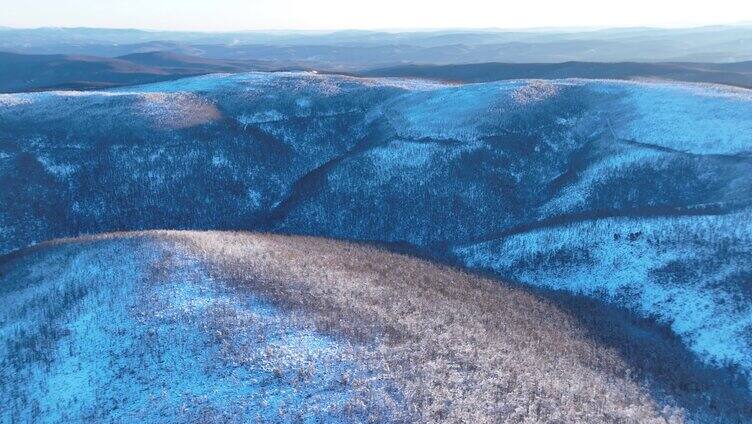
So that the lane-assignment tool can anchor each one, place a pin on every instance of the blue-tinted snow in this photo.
(695, 118)
(689, 272)
(111, 337)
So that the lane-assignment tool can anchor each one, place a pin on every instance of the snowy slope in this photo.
(125, 329)
(691, 272)
(230, 327)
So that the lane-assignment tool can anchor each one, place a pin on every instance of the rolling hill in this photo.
(231, 327)
(736, 74)
(635, 194)
(19, 72)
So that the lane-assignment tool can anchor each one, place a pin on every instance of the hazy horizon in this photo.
(389, 30)
(390, 15)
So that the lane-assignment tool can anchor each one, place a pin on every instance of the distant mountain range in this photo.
(737, 74)
(90, 58)
(20, 72)
(369, 49)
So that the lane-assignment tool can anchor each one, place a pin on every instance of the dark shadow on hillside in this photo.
(710, 394)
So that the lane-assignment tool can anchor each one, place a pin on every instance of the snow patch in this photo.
(617, 260)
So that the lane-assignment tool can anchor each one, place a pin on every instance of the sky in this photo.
(234, 15)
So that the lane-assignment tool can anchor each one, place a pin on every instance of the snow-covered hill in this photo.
(630, 192)
(229, 327)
